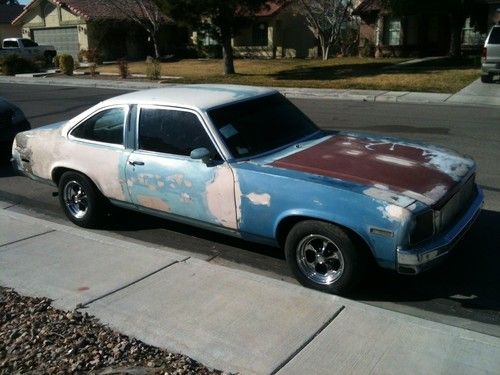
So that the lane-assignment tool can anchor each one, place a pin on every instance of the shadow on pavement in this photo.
(469, 278)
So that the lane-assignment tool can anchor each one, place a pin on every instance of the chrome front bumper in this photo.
(417, 259)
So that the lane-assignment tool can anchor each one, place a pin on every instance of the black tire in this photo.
(343, 267)
(487, 79)
(91, 209)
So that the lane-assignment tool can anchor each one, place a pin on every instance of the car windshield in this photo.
(260, 125)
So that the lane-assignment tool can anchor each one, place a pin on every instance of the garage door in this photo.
(64, 39)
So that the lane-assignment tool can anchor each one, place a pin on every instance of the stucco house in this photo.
(7, 14)
(385, 34)
(277, 31)
(73, 25)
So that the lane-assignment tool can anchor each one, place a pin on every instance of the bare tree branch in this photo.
(326, 19)
(144, 13)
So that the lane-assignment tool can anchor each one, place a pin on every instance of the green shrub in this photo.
(13, 64)
(66, 64)
(153, 69)
(56, 61)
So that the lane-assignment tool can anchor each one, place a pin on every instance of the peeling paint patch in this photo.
(154, 203)
(394, 213)
(185, 198)
(395, 160)
(437, 192)
(176, 178)
(389, 196)
(454, 166)
(260, 199)
(220, 207)
(354, 152)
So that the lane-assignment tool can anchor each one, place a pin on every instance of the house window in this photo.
(259, 34)
(392, 31)
(207, 40)
(471, 37)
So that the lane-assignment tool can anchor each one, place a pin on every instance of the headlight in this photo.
(423, 227)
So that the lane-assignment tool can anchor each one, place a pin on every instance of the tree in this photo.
(222, 19)
(9, 2)
(456, 10)
(326, 19)
(144, 13)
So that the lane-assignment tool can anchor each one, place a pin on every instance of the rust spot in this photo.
(83, 289)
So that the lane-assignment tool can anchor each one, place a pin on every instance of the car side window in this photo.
(106, 127)
(172, 132)
(10, 44)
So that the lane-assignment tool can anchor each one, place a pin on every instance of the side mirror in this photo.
(201, 154)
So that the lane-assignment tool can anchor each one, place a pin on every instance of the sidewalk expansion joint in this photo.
(307, 342)
(212, 258)
(12, 205)
(87, 303)
(28, 238)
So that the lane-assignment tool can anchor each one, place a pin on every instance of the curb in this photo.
(379, 96)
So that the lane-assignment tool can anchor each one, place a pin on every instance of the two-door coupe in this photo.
(246, 162)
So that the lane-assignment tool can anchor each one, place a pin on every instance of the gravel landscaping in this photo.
(36, 338)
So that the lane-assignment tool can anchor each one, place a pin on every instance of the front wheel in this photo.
(322, 256)
(80, 199)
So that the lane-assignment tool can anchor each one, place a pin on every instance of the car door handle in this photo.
(135, 162)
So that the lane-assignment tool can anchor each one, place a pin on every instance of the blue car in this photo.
(246, 162)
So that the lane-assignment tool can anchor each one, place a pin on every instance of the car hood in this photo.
(418, 171)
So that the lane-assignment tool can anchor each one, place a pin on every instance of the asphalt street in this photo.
(463, 292)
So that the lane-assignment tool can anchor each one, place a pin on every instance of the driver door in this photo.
(162, 177)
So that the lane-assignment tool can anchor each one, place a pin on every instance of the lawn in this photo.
(447, 76)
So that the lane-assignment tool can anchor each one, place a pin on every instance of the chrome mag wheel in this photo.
(320, 259)
(75, 199)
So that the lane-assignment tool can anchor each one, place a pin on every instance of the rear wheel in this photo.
(487, 78)
(80, 199)
(322, 256)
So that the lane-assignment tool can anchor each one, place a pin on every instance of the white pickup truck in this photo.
(27, 49)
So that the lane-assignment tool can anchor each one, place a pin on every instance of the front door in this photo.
(161, 175)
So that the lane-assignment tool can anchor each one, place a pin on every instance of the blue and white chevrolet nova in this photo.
(246, 162)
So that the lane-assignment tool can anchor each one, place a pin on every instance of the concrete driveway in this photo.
(478, 93)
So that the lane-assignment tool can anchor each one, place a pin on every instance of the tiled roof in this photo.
(89, 9)
(368, 6)
(9, 12)
(271, 8)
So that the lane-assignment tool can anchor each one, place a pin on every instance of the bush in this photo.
(210, 51)
(55, 60)
(66, 64)
(92, 56)
(153, 69)
(13, 64)
(123, 68)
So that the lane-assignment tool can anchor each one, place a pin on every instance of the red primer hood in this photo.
(425, 173)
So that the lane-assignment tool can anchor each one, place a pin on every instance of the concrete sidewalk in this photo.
(228, 319)
(465, 97)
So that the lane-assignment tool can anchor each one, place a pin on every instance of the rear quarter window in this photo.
(494, 36)
(105, 127)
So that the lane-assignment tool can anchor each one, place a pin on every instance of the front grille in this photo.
(456, 205)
